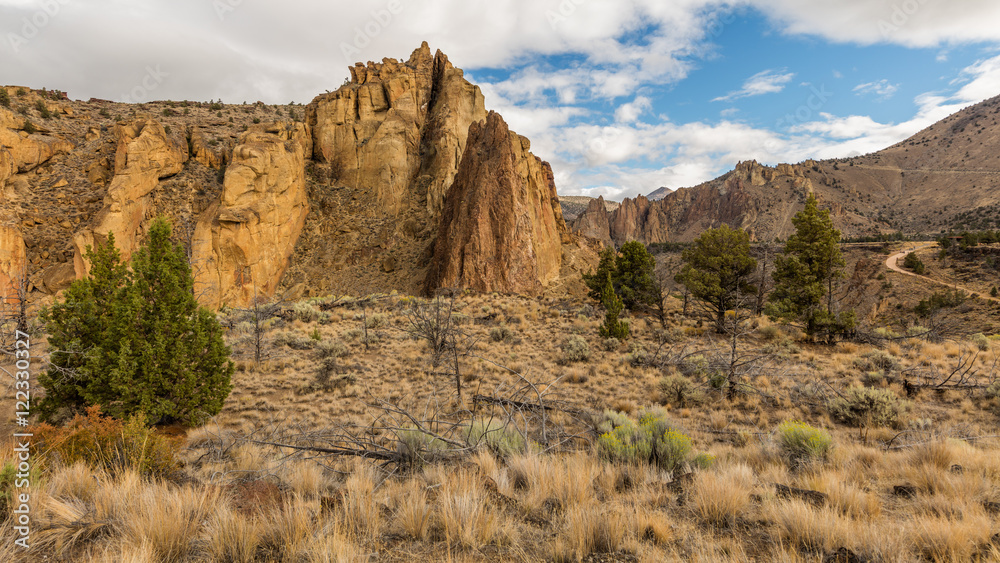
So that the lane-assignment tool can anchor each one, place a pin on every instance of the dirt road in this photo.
(892, 263)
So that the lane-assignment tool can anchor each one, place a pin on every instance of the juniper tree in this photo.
(137, 341)
(717, 271)
(804, 274)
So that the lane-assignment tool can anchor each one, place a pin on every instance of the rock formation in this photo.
(242, 242)
(398, 129)
(143, 156)
(501, 228)
(593, 222)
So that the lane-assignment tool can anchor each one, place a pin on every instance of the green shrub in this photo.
(653, 440)
(43, 110)
(4, 98)
(501, 333)
(800, 442)
(610, 344)
(305, 311)
(575, 349)
(294, 340)
(867, 407)
(703, 460)
(501, 439)
(315, 335)
(416, 447)
(106, 443)
(980, 340)
(877, 360)
(769, 333)
(333, 349)
(29, 127)
(637, 355)
(912, 262)
(679, 390)
(377, 320)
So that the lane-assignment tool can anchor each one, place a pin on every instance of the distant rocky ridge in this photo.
(362, 191)
(941, 176)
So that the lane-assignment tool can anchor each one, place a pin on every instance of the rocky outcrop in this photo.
(593, 222)
(25, 151)
(143, 156)
(243, 242)
(204, 151)
(13, 261)
(398, 130)
(501, 227)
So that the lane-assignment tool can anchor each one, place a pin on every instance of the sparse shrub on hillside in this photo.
(611, 344)
(912, 262)
(333, 349)
(993, 390)
(637, 355)
(801, 442)
(417, 447)
(43, 110)
(575, 349)
(940, 300)
(501, 333)
(980, 341)
(653, 440)
(103, 442)
(679, 391)
(29, 127)
(877, 361)
(867, 407)
(306, 311)
(502, 439)
(717, 271)
(376, 321)
(613, 327)
(4, 98)
(294, 340)
(769, 333)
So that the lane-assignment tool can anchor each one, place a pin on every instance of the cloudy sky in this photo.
(621, 96)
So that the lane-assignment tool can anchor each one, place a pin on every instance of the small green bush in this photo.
(769, 333)
(980, 340)
(637, 355)
(416, 447)
(29, 127)
(305, 311)
(43, 110)
(653, 440)
(867, 407)
(611, 344)
(501, 333)
(4, 98)
(877, 360)
(800, 442)
(575, 349)
(912, 262)
(294, 340)
(333, 349)
(501, 439)
(377, 320)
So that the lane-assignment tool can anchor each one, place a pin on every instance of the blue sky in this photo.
(621, 96)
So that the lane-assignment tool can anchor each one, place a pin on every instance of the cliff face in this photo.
(243, 241)
(501, 229)
(398, 129)
(345, 195)
(144, 155)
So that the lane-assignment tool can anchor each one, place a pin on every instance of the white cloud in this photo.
(883, 89)
(630, 112)
(764, 82)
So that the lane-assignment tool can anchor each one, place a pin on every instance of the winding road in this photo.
(892, 263)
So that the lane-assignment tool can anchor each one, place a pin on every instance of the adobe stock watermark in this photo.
(225, 7)
(817, 98)
(31, 26)
(150, 82)
(899, 16)
(376, 24)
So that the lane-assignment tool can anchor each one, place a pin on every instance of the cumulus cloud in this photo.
(764, 82)
(630, 112)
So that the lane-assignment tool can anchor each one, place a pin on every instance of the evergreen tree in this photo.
(146, 344)
(632, 273)
(605, 268)
(805, 273)
(717, 271)
(612, 327)
(636, 269)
